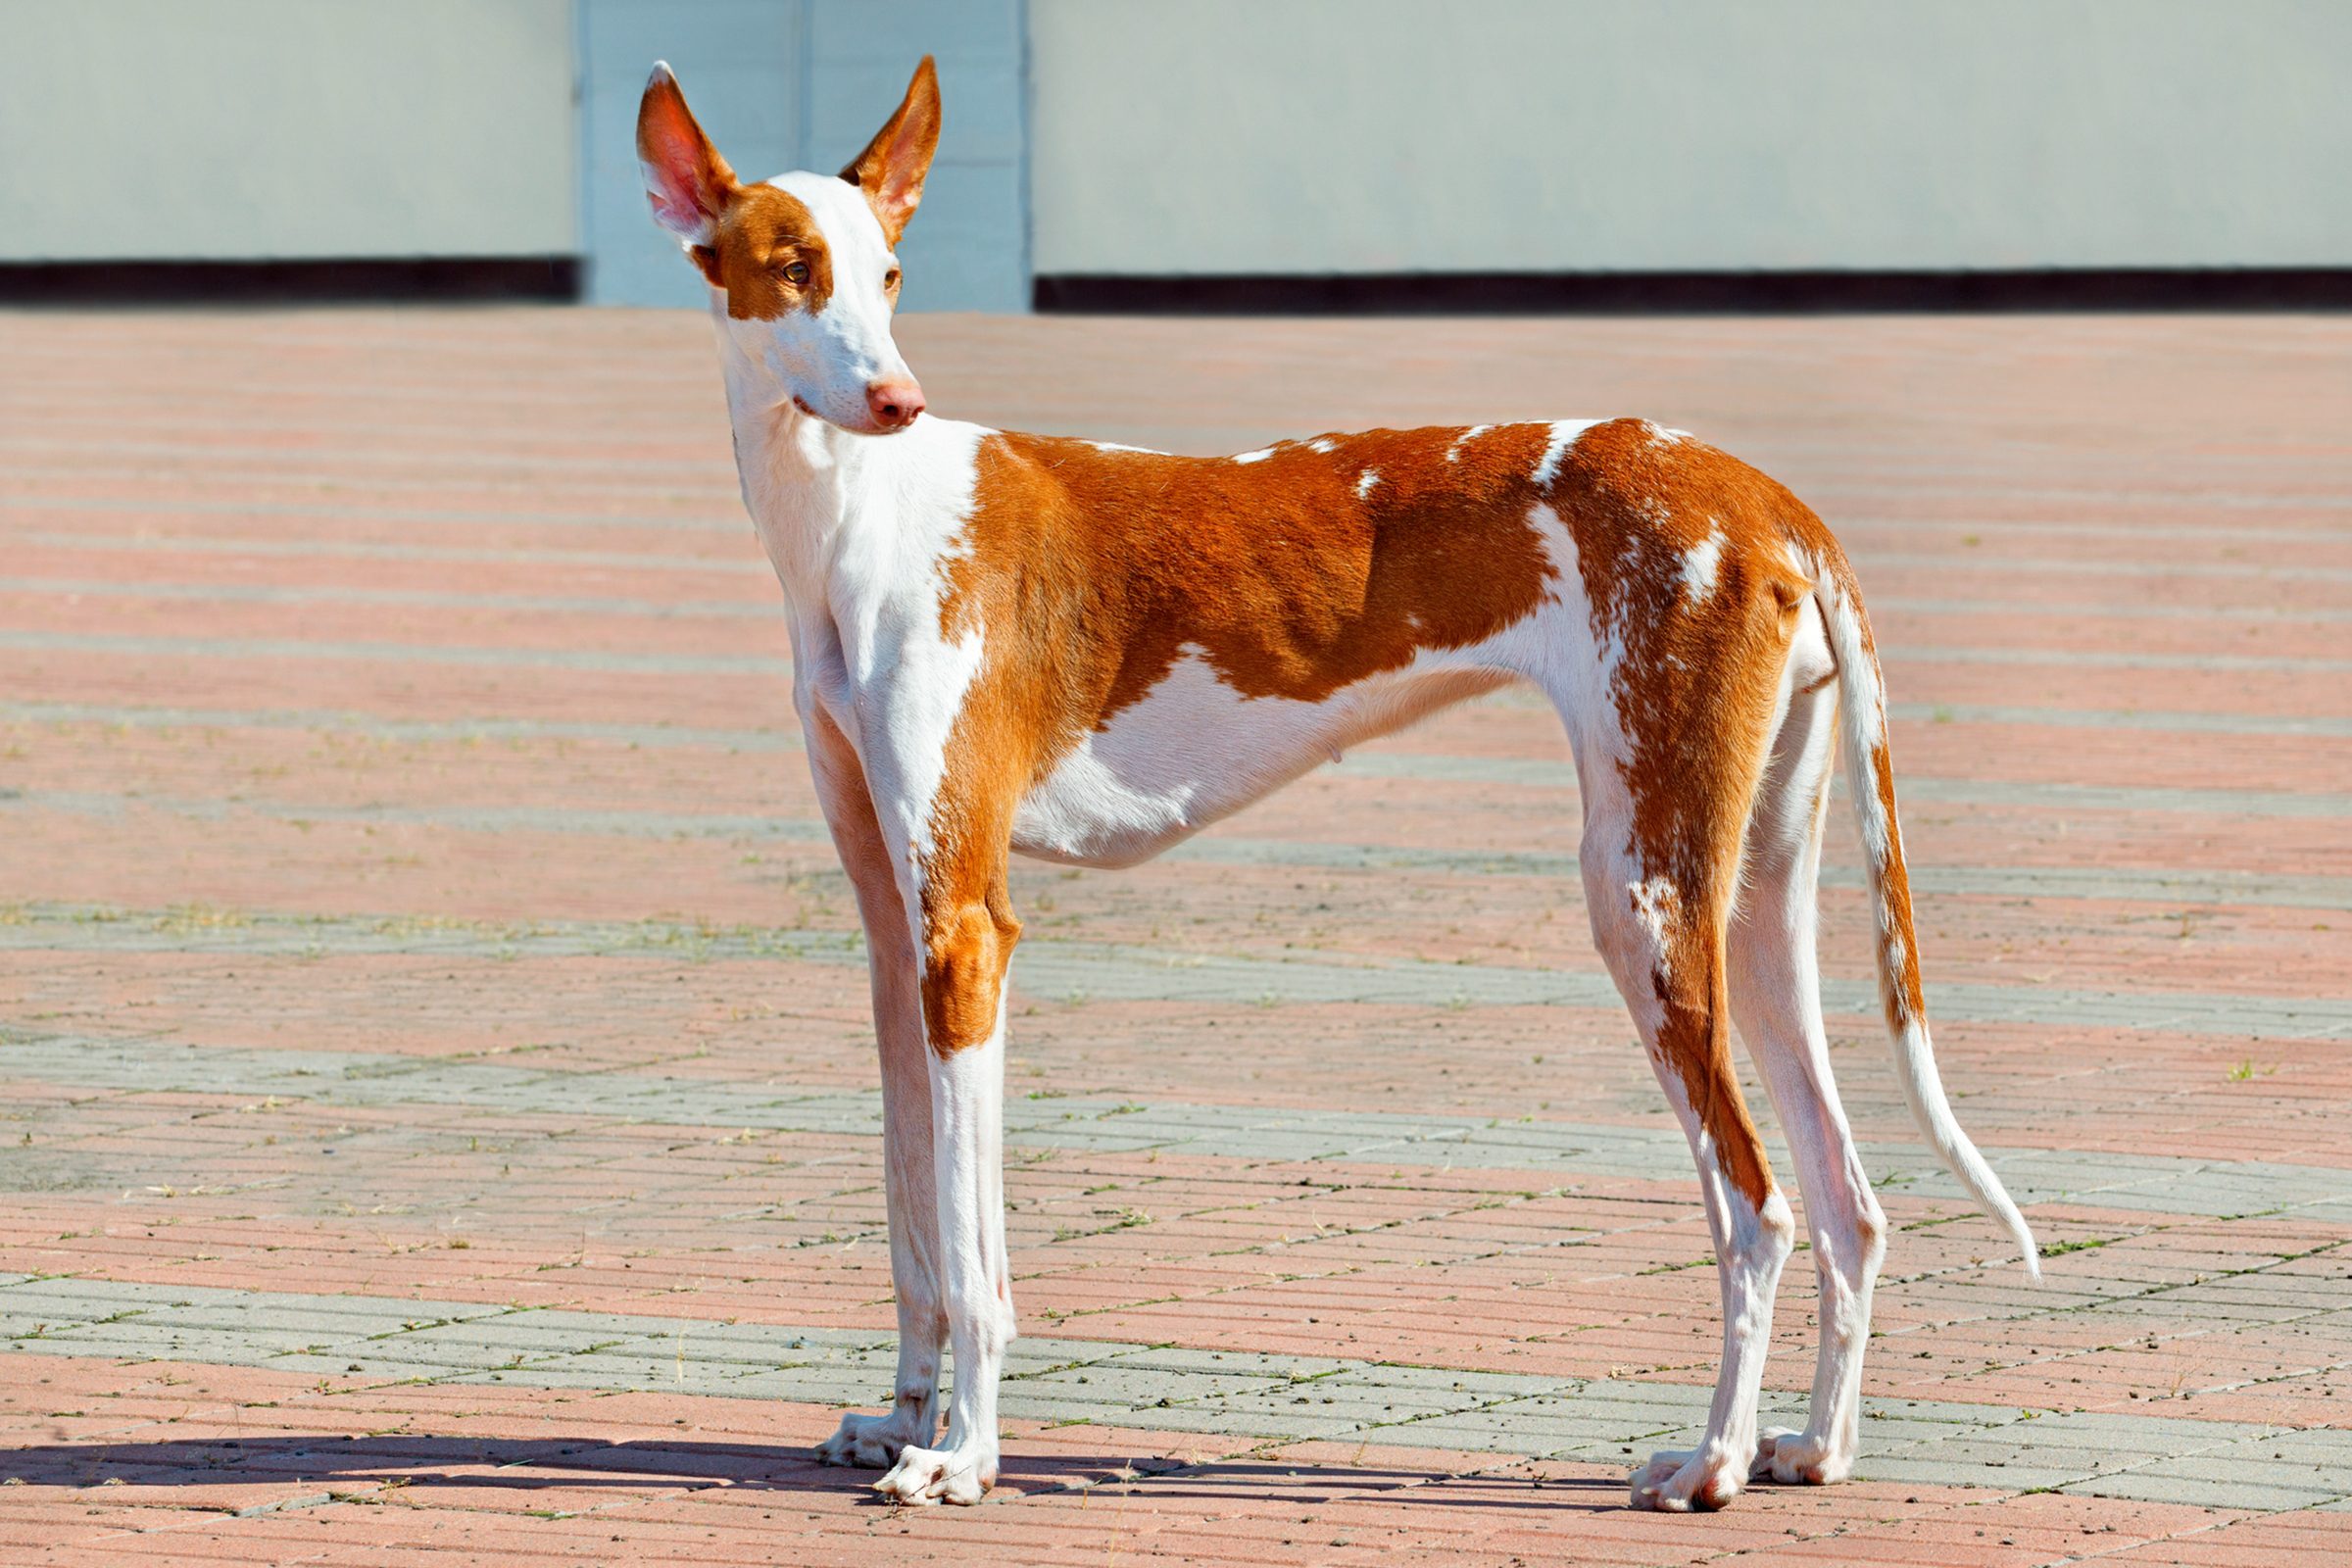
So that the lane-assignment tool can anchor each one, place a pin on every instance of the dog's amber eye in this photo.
(797, 272)
(890, 279)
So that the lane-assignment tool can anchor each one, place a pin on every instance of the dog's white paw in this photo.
(1797, 1459)
(940, 1475)
(1684, 1481)
(874, 1442)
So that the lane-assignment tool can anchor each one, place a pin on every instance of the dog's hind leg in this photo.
(1775, 1000)
(1672, 721)
(1659, 923)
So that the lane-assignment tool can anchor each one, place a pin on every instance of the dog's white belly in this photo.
(1195, 750)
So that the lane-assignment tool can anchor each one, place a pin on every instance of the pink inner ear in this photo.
(674, 201)
(904, 168)
(901, 186)
(892, 167)
(687, 188)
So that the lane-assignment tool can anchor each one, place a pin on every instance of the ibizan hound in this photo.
(1085, 653)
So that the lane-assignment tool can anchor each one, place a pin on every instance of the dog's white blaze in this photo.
(1259, 456)
(941, 684)
(1453, 453)
(1556, 648)
(1366, 482)
(1563, 436)
(1702, 564)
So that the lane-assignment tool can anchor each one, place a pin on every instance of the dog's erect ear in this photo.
(685, 178)
(892, 167)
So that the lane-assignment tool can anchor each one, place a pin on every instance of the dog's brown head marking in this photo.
(807, 263)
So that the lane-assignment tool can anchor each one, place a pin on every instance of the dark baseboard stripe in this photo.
(347, 280)
(2305, 288)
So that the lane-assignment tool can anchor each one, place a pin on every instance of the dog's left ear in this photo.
(685, 178)
(892, 167)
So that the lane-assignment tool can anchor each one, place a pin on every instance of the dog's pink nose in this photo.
(895, 401)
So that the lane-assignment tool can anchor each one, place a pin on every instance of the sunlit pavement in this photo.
(440, 1119)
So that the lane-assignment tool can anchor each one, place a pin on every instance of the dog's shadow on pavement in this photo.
(319, 1467)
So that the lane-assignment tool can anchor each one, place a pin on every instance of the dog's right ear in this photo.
(892, 168)
(685, 178)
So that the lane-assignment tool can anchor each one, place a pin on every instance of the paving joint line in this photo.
(1304, 1136)
(1236, 1395)
(1584, 1236)
(2289, 890)
(1915, 788)
(1116, 971)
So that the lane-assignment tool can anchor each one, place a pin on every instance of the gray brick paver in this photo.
(1120, 972)
(2146, 1182)
(1251, 1394)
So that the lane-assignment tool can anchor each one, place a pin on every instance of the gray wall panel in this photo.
(1351, 137)
(275, 130)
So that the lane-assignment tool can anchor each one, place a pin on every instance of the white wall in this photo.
(195, 130)
(1337, 136)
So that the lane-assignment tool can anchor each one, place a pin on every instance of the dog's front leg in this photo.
(968, 1104)
(968, 933)
(875, 1442)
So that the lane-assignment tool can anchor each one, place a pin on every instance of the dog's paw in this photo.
(1684, 1481)
(1795, 1458)
(940, 1475)
(871, 1441)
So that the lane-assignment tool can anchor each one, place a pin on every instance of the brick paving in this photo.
(439, 1099)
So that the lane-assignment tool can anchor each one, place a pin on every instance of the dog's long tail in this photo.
(1869, 778)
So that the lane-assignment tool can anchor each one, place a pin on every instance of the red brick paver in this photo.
(448, 622)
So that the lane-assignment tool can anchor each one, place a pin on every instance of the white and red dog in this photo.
(1086, 653)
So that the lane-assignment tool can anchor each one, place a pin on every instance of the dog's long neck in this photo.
(805, 481)
(852, 523)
